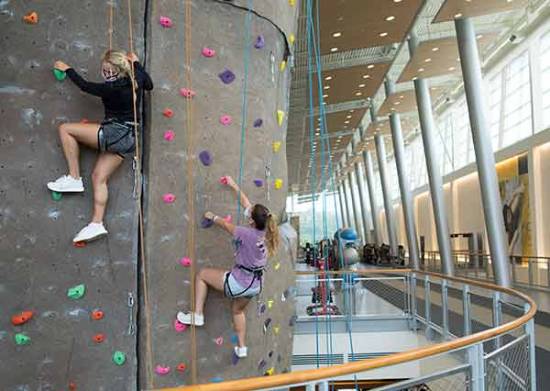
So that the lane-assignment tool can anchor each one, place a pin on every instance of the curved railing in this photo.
(499, 357)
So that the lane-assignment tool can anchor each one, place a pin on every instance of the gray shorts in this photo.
(116, 137)
(237, 290)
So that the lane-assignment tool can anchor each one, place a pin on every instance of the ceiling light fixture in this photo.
(337, 34)
(428, 60)
(333, 50)
(452, 69)
(390, 18)
(420, 69)
(361, 85)
(370, 66)
(328, 78)
(384, 34)
(325, 96)
(358, 93)
(459, 15)
(435, 49)
(326, 87)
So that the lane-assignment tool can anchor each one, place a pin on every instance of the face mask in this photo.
(109, 74)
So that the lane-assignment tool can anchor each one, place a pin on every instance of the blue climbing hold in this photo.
(227, 77)
(205, 158)
(260, 42)
(234, 358)
(206, 223)
(258, 123)
(234, 339)
(258, 182)
(216, 379)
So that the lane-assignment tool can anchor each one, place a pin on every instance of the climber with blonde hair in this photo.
(113, 137)
(254, 244)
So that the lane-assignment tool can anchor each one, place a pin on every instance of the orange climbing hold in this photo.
(72, 386)
(98, 338)
(79, 244)
(21, 318)
(181, 367)
(31, 18)
(97, 315)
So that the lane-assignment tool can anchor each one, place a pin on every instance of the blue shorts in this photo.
(237, 290)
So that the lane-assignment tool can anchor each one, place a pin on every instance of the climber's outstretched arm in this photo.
(245, 202)
(221, 222)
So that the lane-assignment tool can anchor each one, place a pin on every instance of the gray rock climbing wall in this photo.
(38, 262)
(174, 168)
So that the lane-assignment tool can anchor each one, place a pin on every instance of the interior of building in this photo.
(275, 195)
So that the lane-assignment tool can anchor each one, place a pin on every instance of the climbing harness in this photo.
(257, 274)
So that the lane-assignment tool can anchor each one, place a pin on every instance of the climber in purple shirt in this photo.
(253, 245)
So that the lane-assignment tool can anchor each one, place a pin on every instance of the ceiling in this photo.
(452, 9)
(404, 101)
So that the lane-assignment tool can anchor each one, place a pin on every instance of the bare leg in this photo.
(239, 318)
(205, 278)
(106, 164)
(73, 133)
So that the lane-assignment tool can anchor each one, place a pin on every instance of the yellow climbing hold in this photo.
(291, 38)
(277, 266)
(282, 66)
(292, 3)
(278, 183)
(280, 117)
(270, 371)
(276, 146)
(269, 303)
(276, 329)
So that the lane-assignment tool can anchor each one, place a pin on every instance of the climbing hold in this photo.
(224, 180)
(261, 364)
(185, 262)
(79, 244)
(282, 66)
(207, 52)
(31, 18)
(227, 77)
(119, 358)
(228, 219)
(270, 354)
(258, 123)
(56, 196)
(161, 370)
(98, 338)
(292, 3)
(21, 318)
(76, 292)
(270, 303)
(169, 135)
(59, 75)
(165, 21)
(276, 146)
(226, 120)
(234, 339)
(168, 198)
(280, 117)
(181, 367)
(186, 92)
(97, 314)
(72, 386)
(258, 182)
(283, 297)
(234, 358)
(276, 330)
(219, 341)
(260, 42)
(277, 266)
(179, 327)
(266, 324)
(292, 320)
(205, 158)
(291, 38)
(278, 183)
(22, 339)
(168, 113)
(206, 223)
(270, 371)
(216, 379)
(261, 308)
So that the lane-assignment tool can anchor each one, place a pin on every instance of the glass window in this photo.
(544, 56)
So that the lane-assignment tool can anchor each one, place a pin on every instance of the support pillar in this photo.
(485, 159)
(342, 210)
(345, 193)
(369, 174)
(354, 202)
(406, 197)
(427, 126)
(362, 199)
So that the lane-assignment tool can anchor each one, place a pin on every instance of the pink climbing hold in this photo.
(219, 341)
(186, 92)
(228, 219)
(207, 52)
(165, 21)
(179, 327)
(168, 113)
(169, 135)
(185, 262)
(161, 370)
(226, 120)
(168, 198)
(224, 180)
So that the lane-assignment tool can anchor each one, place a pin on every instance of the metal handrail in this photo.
(311, 375)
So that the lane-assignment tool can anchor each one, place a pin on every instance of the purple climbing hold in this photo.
(227, 76)
(234, 358)
(261, 308)
(206, 223)
(292, 320)
(258, 123)
(258, 182)
(260, 42)
(205, 158)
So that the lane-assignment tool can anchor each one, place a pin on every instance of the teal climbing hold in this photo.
(56, 196)
(59, 75)
(216, 379)
(119, 358)
(76, 292)
(22, 339)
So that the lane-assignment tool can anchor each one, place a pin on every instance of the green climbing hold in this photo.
(22, 339)
(119, 358)
(56, 196)
(76, 292)
(59, 75)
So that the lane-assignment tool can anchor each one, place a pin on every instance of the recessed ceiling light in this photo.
(415, 78)
(358, 93)
(326, 87)
(384, 34)
(479, 36)
(361, 85)
(328, 78)
(390, 18)
(370, 66)
(459, 15)
(337, 34)
(397, 103)
(435, 49)
(397, 1)
(351, 111)
(428, 60)
(452, 68)
(401, 96)
(348, 116)
(333, 50)
(346, 122)
(325, 96)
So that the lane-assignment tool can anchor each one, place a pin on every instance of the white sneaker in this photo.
(66, 184)
(190, 318)
(241, 352)
(90, 232)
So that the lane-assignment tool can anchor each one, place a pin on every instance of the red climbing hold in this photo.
(186, 92)
(224, 180)
(97, 315)
(169, 113)
(21, 318)
(181, 367)
(228, 219)
(79, 244)
(31, 18)
(72, 386)
(207, 52)
(98, 338)
(165, 21)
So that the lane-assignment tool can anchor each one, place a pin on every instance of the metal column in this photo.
(406, 198)
(369, 174)
(485, 160)
(362, 200)
(424, 103)
(345, 193)
(341, 202)
(355, 204)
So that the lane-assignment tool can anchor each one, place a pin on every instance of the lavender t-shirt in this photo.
(250, 252)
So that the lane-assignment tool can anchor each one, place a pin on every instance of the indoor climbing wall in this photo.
(219, 108)
(78, 297)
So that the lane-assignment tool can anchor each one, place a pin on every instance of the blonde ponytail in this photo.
(119, 60)
(272, 235)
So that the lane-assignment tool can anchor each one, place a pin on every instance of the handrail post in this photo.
(513, 265)
(530, 270)
(445, 307)
(530, 331)
(547, 273)
(310, 387)
(427, 305)
(497, 320)
(466, 309)
(323, 386)
(477, 363)
(413, 301)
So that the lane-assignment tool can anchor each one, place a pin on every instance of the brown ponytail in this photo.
(264, 220)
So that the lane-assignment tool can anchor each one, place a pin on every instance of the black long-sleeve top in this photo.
(117, 95)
